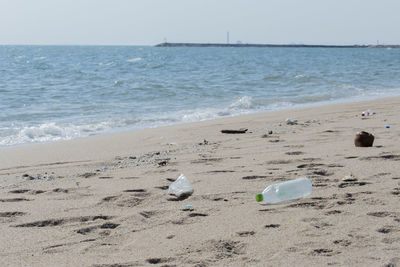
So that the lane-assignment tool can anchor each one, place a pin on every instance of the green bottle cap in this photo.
(259, 197)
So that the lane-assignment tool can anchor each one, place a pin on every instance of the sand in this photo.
(103, 200)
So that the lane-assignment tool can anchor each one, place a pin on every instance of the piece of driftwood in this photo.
(239, 131)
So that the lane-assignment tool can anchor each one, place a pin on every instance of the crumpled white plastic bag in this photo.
(181, 187)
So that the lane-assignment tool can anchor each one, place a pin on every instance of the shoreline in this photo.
(295, 107)
(114, 136)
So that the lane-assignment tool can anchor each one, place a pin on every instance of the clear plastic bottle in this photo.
(293, 189)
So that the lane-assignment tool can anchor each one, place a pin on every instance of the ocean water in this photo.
(50, 93)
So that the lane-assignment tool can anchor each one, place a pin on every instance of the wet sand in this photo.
(103, 201)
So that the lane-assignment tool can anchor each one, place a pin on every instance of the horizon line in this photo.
(208, 43)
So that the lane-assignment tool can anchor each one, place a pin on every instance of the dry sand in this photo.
(102, 201)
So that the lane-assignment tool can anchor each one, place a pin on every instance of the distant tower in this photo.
(227, 37)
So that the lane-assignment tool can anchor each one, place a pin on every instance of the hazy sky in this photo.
(148, 22)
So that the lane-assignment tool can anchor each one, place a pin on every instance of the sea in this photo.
(52, 93)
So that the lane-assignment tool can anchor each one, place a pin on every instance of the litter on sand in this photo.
(293, 189)
(291, 121)
(363, 139)
(181, 187)
(367, 113)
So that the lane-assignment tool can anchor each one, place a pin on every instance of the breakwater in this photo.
(271, 45)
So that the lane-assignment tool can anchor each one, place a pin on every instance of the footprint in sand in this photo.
(60, 190)
(272, 226)
(219, 199)
(348, 199)
(387, 229)
(135, 198)
(135, 190)
(323, 252)
(225, 248)
(219, 171)
(163, 187)
(18, 199)
(207, 161)
(383, 156)
(183, 197)
(87, 230)
(381, 214)
(280, 161)
(106, 177)
(252, 177)
(148, 214)
(352, 183)
(123, 201)
(343, 243)
(321, 182)
(321, 172)
(196, 214)
(396, 191)
(88, 174)
(332, 212)
(294, 153)
(245, 233)
(23, 191)
(11, 214)
(19, 191)
(159, 260)
(314, 204)
(62, 221)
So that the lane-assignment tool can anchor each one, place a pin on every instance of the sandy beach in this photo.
(103, 200)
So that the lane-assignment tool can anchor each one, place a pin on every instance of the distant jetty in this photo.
(271, 45)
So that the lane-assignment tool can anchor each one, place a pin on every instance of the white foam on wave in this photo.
(199, 115)
(240, 106)
(107, 63)
(50, 132)
(39, 58)
(245, 102)
(136, 59)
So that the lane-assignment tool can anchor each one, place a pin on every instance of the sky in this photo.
(149, 22)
